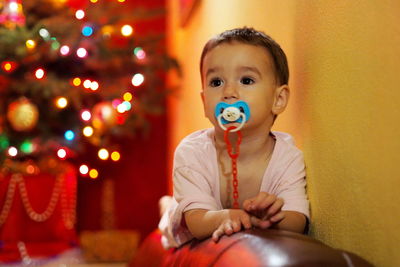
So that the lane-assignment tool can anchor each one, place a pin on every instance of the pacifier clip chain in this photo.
(234, 157)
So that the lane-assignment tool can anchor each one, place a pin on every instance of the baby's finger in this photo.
(266, 202)
(277, 217)
(247, 204)
(255, 221)
(218, 233)
(236, 226)
(246, 222)
(257, 200)
(274, 208)
(265, 224)
(228, 228)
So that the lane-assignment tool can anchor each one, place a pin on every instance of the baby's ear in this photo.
(281, 99)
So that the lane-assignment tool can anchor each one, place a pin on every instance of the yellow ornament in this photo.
(104, 115)
(23, 115)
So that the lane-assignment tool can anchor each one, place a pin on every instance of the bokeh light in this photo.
(39, 74)
(126, 30)
(137, 79)
(87, 131)
(83, 169)
(93, 173)
(61, 102)
(103, 154)
(80, 14)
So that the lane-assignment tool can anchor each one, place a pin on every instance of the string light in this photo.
(30, 169)
(139, 53)
(30, 44)
(121, 108)
(76, 81)
(84, 169)
(103, 154)
(126, 30)
(4, 143)
(44, 33)
(61, 102)
(127, 96)
(137, 79)
(69, 135)
(116, 102)
(55, 44)
(127, 105)
(94, 86)
(81, 52)
(115, 156)
(26, 147)
(87, 31)
(80, 14)
(87, 83)
(39, 73)
(62, 153)
(86, 115)
(93, 1)
(87, 131)
(12, 151)
(8, 66)
(64, 50)
(93, 173)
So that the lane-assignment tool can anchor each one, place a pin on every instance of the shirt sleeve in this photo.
(292, 186)
(192, 190)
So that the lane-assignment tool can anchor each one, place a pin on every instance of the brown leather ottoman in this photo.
(249, 249)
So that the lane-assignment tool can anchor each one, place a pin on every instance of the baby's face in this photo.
(236, 71)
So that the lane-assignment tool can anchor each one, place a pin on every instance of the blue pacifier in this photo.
(229, 113)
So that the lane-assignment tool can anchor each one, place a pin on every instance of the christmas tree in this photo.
(72, 80)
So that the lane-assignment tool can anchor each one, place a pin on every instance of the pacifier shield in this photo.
(232, 112)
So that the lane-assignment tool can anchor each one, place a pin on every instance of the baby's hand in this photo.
(232, 223)
(266, 207)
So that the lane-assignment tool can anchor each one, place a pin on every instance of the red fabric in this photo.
(42, 239)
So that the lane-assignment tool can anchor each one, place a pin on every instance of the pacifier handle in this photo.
(237, 128)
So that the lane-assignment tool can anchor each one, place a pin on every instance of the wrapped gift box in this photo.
(37, 210)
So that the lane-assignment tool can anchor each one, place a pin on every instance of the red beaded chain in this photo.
(234, 157)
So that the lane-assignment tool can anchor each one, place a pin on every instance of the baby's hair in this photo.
(252, 37)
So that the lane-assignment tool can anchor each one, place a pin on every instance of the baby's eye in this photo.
(247, 80)
(215, 82)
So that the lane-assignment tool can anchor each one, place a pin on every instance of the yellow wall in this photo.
(344, 110)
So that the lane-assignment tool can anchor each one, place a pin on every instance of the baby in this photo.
(238, 174)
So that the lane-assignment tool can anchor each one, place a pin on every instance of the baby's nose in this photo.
(230, 92)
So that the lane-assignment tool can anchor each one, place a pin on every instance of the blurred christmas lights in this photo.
(69, 135)
(94, 86)
(64, 50)
(39, 74)
(80, 14)
(44, 33)
(87, 84)
(81, 52)
(84, 169)
(61, 153)
(87, 31)
(30, 44)
(87, 131)
(61, 102)
(126, 30)
(86, 115)
(115, 156)
(76, 81)
(103, 154)
(12, 151)
(137, 79)
(93, 173)
(127, 96)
